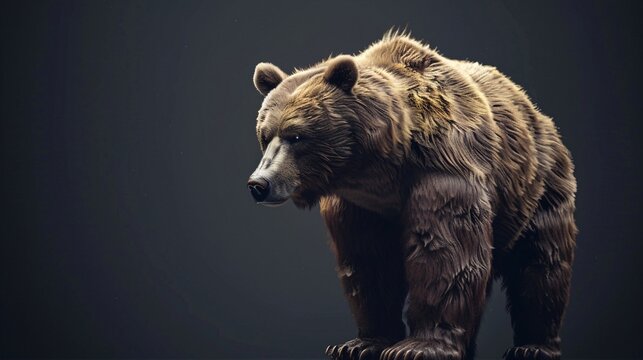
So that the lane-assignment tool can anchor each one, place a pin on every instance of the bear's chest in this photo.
(377, 194)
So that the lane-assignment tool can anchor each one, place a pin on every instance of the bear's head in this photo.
(320, 127)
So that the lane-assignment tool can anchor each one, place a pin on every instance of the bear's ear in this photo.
(267, 76)
(342, 72)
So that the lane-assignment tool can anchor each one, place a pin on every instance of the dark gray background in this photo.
(128, 136)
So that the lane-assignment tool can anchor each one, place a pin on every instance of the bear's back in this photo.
(535, 166)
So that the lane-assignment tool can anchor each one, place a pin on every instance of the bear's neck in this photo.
(375, 186)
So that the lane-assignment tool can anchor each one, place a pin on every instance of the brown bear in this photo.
(433, 176)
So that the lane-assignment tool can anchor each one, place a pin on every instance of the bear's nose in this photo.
(259, 188)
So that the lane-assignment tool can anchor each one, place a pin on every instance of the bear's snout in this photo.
(259, 188)
(277, 175)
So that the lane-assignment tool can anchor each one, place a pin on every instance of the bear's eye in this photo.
(293, 138)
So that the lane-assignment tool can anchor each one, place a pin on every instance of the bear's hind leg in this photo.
(371, 270)
(536, 276)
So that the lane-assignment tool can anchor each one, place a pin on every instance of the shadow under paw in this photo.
(420, 349)
(357, 349)
(531, 352)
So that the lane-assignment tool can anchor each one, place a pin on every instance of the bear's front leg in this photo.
(448, 265)
(371, 270)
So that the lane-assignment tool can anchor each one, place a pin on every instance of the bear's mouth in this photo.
(273, 203)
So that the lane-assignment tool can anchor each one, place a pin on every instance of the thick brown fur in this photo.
(433, 176)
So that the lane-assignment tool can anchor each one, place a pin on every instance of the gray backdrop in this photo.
(128, 136)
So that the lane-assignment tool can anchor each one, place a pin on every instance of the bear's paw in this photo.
(531, 352)
(358, 349)
(420, 349)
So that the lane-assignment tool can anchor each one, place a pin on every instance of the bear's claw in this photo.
(420, 349)
(357, 349)
(531, 352)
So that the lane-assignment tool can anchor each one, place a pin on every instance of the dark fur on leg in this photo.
(371, 270)
(448, 267)
(537, 275)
